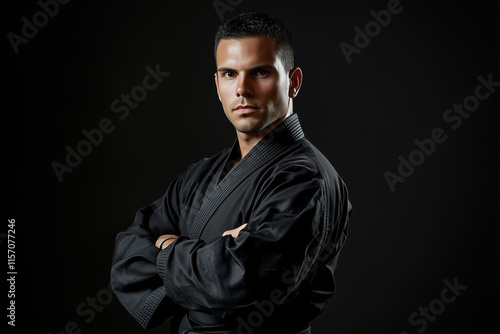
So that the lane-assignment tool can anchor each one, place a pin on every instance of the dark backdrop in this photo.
(406, 245)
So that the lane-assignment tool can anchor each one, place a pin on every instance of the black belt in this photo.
(215, 325)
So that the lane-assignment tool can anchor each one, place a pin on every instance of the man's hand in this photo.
(234, 232)
(161, 238)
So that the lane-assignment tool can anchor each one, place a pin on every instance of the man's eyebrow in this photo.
(256, 68)
(225, 69)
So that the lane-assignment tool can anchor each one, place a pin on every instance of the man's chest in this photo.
(221, 211)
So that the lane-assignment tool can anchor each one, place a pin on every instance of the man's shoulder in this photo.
(305, 157)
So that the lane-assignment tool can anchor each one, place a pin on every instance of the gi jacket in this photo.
(281, 264)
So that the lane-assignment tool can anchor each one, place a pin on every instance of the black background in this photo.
(440, 224)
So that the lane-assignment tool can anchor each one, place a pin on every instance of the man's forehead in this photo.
(255, 46)
(255, 49)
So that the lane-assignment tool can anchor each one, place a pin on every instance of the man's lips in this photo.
(245, 109)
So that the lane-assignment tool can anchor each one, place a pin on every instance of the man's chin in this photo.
(248, 126)
(248, 130)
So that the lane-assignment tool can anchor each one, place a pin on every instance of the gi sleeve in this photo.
(287, 230)
(134, 276)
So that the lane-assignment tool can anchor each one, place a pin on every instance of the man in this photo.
(245, 241)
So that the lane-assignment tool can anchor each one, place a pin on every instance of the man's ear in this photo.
(295, 77)
(217, 85)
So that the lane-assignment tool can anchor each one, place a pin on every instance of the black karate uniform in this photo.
(275, 277)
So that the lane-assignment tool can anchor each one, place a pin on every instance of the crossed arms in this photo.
(167, 239)
(286, 231)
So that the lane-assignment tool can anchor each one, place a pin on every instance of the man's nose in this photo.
(244, 87)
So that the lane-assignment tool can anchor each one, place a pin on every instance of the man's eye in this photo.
(228, 74)
(262, 73)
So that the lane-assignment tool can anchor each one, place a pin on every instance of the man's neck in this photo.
(248, 140)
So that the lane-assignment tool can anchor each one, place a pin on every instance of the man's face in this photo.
(252, 83)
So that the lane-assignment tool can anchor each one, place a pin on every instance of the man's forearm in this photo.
(165, 240)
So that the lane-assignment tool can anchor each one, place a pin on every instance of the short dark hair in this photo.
(258, 24)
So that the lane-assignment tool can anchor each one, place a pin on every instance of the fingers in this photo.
(161, 238)
(158, 241)
(234, 232)
(240, 228)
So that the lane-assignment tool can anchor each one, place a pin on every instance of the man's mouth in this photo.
(245, 109)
